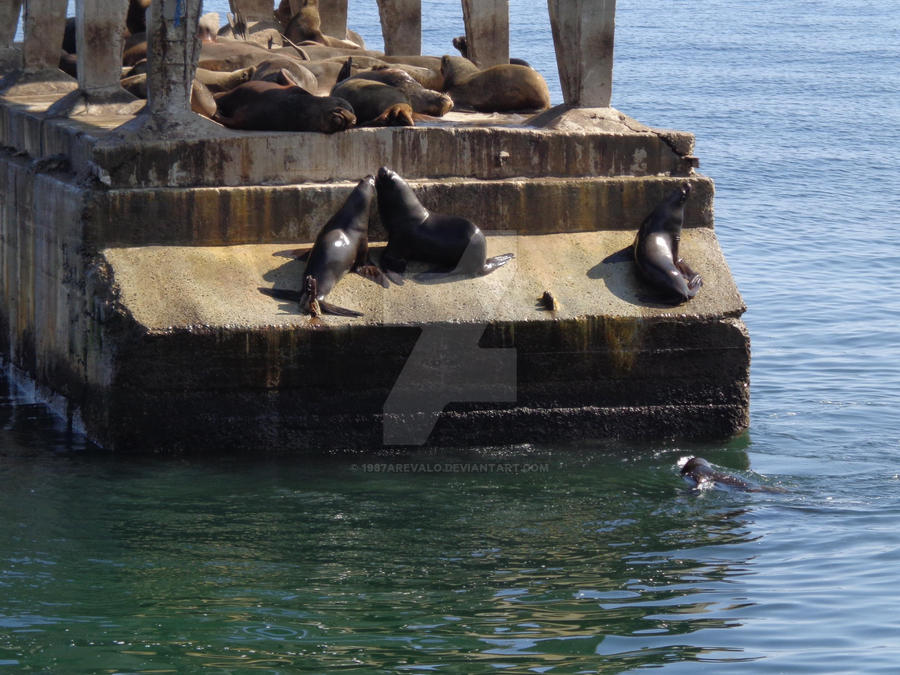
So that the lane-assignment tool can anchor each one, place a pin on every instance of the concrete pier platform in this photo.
(131, 271)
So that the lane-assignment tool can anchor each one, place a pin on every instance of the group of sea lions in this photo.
(286, 75)
(453, 244)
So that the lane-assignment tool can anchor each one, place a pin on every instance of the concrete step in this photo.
(200, 358)
(557, 143)
(296, 213)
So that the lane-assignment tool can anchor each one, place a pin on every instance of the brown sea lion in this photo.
(218, 80)
(273, 70)
(369, 99)
(267, 106)
(462, 44)
(503, 88)
(230, 55)
(306, 26)
(421, 100)
(454, 243)
(136, 17)
(341, 246)
(656, 250)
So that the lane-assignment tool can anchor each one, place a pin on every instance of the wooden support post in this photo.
(583, 32)
(487, 31)
(401, 26)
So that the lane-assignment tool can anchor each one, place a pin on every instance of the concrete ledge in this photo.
(201, 359)
(295, 213)
(460, 145)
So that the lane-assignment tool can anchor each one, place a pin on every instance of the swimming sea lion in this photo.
(503, 88)
(701, 475)
(342, 246)
(656, 249)
(267, 106)
(414, 233)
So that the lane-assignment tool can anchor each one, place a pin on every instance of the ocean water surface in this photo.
(590, 557)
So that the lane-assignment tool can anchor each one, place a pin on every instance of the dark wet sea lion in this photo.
(342, 246)
(701, 474)
(503, 88)
(267, 106)
(452, 242)
(369, 99)
(656, 249)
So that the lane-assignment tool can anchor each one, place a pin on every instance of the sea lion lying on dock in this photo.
(503, 88)
(388, 96)
(341, 246)
(454, 243)
(656, 250)
(267, 106)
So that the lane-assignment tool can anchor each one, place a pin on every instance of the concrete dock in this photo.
(131, 268)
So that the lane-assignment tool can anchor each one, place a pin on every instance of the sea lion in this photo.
(656, 249)
(421, 100)
(267, 106)
(284, 70)
(462, 44)
(414, 233)
(342, 246)
(306, 26)
(503, 88)
(702, 475)
(369, 99)
(221, 80)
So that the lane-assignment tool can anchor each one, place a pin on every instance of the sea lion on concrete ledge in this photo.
(267, 106)
(503, 88)
(388, 96)
(702, 475)
(656, 249)
(462, 44)
(422, 100)
(414, 233)
(342, 246)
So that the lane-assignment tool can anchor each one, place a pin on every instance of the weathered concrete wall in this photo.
(130, 280)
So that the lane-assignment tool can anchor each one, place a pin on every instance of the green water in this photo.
(515, 559)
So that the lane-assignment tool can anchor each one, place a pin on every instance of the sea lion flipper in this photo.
(623, 255)
(393, 267)
(372, 272)
(497, 261)
(328, 308)
(282, 294)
